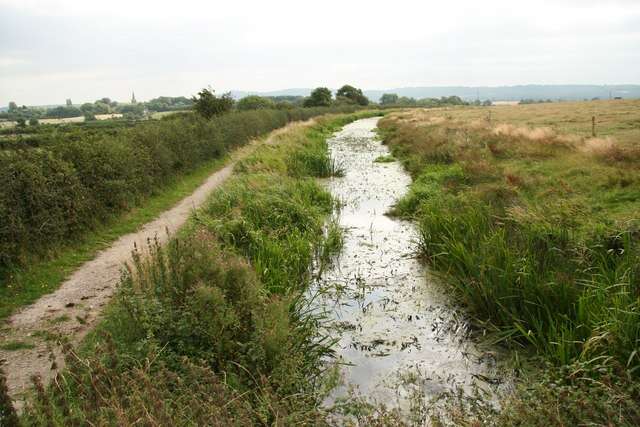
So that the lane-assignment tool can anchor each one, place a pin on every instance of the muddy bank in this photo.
(399, 337)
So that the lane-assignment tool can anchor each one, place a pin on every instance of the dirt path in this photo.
(76, 307)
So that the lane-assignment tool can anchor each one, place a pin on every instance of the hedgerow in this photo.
(52, 193)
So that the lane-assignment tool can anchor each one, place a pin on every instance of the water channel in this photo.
(399, 336)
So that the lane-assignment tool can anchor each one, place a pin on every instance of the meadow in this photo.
(534, 225)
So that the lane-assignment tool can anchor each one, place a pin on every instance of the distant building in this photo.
(133, 98)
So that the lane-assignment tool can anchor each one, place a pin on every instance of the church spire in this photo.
(133, 98)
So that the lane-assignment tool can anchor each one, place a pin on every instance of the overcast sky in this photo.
(86, 49)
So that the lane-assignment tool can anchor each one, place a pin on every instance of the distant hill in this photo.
(497, 93)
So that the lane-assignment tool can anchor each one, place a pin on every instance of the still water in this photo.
(399, 336)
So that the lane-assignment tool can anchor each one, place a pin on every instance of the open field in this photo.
(534, 226)
(616, 118)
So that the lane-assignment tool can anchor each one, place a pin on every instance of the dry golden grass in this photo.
(543, 151)
(619, 119)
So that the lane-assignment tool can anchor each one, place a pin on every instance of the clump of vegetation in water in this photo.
(537, 235)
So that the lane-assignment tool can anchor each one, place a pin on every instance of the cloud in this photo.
(169, 47)
(8, 61)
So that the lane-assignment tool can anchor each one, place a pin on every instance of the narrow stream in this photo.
(398, 335)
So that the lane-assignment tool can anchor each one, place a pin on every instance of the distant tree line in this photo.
(208, 104)
(534, 101)
(89, 110)
(393, 100)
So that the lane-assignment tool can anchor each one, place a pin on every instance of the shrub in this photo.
(208, 105)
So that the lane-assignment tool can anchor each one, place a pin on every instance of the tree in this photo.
(21, 122)
(64, 112)
(352, 94)
(389, 99)
(320, 97)
(452, 100)
(33, 121)
(207, 104)
(87, 107)
(13, 106)
(253, 102)
(100, 107)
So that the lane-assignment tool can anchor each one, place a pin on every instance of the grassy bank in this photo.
(78, 190)
(537, 234)
(213, 329)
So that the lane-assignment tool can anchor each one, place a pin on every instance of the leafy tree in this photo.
(101, 108)
(403, 100)
(207, 104)
(389, 99)
(137, 109)
(169, 103)
(13, 106)
(284, 105)
(487, 103)
(64, 112)
(254, 102)
(87, 107)
(320, 97)
(452, 100)
(33, 121)
(89, 116)
(21, 122)
(292, 99)
(352, 94)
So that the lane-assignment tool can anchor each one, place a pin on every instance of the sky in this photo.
(87, 49)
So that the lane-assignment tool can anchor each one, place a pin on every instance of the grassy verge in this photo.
(213, 329)
(537, 234)
(26, 285)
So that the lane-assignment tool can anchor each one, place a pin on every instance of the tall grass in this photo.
(540, 240)
(519, 225)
